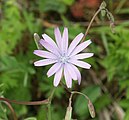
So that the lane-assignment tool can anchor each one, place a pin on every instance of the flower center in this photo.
(64, 59)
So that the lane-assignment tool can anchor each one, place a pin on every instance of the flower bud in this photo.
(91, 109)
(37, 39)
(68, 113)
(103, 5)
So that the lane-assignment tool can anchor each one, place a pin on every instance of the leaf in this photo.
(50, 5)
(13, 70)
(47, 87)
(30, 22)
(124, 84)
(68, 2)
(124, 103)
(126, 117)
(9, 27)
(127, 93)
(42, 114)
(102, 102)
(31, 118)
(58, 113)
(3, 113)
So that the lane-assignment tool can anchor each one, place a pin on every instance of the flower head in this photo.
(64, 58)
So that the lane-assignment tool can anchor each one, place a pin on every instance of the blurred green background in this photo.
(106, 83)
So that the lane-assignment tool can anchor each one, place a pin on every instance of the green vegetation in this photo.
(106, 83)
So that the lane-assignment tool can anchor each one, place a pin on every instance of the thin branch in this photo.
(11, 109)
(46, 101)
(76, 92)
(62, 84)
(87, 30)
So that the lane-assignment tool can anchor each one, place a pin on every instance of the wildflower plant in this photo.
(65, 59)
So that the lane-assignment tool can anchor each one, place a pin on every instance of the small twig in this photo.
(24, 102)
(87, 30)
(7, 102)
(11, 109)
(61, 83)
(76, 92)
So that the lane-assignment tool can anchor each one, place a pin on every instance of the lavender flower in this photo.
(64, 58)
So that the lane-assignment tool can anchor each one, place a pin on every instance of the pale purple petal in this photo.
(44, 54)
(49, 47)
(71, 71)
(83, 55)
(53, 69)
(78, 73)
(49, 40)
(65, 40)
(75, 42)
(80, 63)
(80, 47)
(58, 76)
(68, 78)
(58, 37)
(44, 62)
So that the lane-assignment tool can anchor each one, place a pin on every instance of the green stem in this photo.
(49, 104)
(49, 111)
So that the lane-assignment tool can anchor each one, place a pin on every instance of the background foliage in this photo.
(106, 84)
